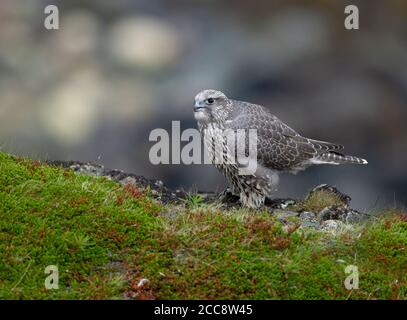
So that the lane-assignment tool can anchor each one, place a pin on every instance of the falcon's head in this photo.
(209, 105)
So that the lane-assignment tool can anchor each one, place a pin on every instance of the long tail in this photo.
(338, 158)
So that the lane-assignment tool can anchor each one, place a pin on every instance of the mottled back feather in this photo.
(279, 146)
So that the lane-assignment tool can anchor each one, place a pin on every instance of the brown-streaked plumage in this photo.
(279, 147)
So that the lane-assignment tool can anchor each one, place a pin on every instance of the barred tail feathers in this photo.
(337, 158)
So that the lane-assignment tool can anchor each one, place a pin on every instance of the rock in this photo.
(128, 180)
(284, 215)
(354, 216)
(228, 197)
(345, 199)
(157, 187)
(330, 213)
(309, 219)
(346, 215)
(159, 183)
(85, 168)
(333, 226)
(308, 216)
(310, 224)
(330, 225)
(279, 203)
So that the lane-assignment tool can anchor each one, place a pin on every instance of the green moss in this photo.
(104, 238)
(49, 216)
(319, 200)
(221, 258)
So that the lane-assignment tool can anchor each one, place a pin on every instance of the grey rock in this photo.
(345, 199)
(354, 216)
(330, 213)
(310, 224)
(346, 215)
(332, 225)
(284, 215)
(308, 219)
(128, 180)
(308, 216)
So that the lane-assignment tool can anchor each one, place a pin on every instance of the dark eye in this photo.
(210, 100)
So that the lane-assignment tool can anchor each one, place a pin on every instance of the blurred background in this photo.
(115, 70)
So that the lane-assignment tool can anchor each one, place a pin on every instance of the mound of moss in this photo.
(111, 241)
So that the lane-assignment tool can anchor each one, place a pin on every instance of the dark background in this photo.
(116, 70)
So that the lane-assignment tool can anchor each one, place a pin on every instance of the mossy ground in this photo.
(105, 238)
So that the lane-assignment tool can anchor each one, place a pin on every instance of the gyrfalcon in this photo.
(279, 147)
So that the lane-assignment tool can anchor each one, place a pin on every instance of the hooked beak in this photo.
(199, 106)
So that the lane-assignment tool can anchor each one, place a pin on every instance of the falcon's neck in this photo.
(218, 119)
